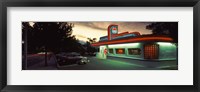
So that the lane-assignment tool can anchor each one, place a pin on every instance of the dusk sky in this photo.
(84, 30)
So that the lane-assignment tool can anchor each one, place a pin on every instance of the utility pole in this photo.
(25, 49)
(46, 64)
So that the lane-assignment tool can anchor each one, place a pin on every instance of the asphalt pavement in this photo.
(121, 64)
(37, 62)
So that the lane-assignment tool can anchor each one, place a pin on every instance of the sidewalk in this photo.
(52, 65)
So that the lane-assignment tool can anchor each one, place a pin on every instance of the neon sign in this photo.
(112, 29)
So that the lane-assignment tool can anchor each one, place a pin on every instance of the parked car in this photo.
(92, 53)
(71, 58)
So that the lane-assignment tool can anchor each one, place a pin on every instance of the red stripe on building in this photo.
(135, 39)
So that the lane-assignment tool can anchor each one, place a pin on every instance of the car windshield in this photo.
(72, 54)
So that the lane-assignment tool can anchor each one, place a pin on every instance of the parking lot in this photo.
(101, 64)
(121, 64)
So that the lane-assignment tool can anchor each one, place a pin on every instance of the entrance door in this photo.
(151, 51)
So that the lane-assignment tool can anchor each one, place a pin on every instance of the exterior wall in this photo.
(101, 53)
(167, 51)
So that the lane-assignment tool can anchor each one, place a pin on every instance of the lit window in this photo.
(134, 51)
(151, 51)
(111, 51)
(120, 51)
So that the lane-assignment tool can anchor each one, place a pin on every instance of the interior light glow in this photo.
(164, 43)
(123, 45)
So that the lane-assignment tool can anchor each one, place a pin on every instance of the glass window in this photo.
(120, 51)
(111, 51)
(98, 49)
(134, 51)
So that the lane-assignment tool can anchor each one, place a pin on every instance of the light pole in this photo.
(25, 49)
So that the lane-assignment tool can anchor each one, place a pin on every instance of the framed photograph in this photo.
(74, 45)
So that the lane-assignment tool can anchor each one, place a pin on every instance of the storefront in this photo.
(135, 46)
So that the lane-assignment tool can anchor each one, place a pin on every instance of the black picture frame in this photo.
(101, 3)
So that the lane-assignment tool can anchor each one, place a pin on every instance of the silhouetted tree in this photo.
(49, 36)
(165, 28)
(89, 47)
(72, 45)
(92, 40)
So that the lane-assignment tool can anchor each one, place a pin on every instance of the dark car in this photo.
(71, 58)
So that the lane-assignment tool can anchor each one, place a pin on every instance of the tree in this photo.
(89, 47)
(72, 45)
(165, 28)
(49, 36)
(92, 40)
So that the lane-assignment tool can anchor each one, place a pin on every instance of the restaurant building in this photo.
(133, 45)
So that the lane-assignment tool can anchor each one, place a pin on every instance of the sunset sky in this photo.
(84, 30)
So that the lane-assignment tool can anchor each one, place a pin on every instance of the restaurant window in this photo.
(120, 51)
(151, 51)
(111, 51)
(98, 49)
(134, 51)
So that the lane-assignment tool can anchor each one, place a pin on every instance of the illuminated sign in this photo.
(105, 51)
(112, 29)
(120, 51)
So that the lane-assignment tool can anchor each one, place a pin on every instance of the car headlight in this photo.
(82, 60)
